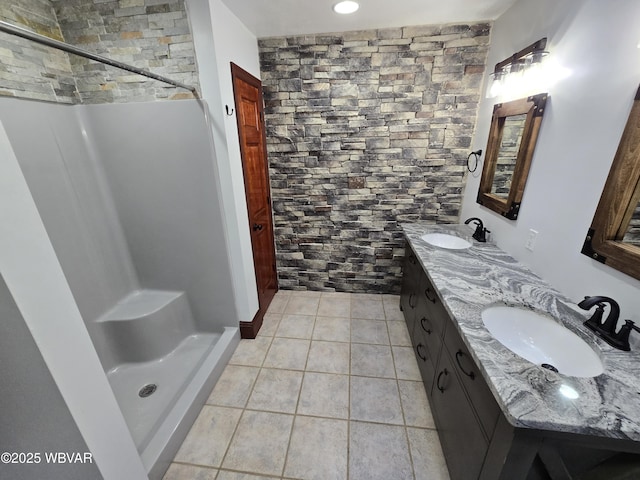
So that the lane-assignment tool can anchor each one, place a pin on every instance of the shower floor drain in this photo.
(148, 390)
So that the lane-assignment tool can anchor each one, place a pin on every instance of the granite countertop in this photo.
(529, 396)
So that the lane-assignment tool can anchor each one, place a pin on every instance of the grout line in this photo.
(349, 401)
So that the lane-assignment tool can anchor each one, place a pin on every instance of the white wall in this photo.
(585, 115)
(220, 38)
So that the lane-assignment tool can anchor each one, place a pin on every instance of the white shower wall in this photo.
(158, 161)
(128, 196)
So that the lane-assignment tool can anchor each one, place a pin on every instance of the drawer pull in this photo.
(423, 358)
(471, 374)
(427, 330)
(430, 295)
(411, 297)
(445, 373)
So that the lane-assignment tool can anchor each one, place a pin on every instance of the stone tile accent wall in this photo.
(364, 130)
(150, 34)
(29, 70)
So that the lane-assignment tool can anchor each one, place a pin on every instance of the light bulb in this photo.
(346, 7)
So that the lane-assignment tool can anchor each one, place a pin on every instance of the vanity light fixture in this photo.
(346, 7)
(520, 72)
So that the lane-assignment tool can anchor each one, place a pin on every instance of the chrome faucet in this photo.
(607, 329)
(481, 233)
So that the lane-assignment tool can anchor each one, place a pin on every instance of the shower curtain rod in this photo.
(50, 42)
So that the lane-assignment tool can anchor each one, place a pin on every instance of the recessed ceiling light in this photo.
(346, 7)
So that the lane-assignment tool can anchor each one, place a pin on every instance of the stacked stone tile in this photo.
(29, 70)
(150, 34)
(365, 130)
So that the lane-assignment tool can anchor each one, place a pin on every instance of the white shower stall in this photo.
(129, 197)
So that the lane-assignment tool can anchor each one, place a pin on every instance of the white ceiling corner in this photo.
(272, 18)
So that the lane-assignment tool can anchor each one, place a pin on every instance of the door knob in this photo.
(257, 227)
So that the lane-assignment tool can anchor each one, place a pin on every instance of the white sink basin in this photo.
(541, 340)
(444, 240)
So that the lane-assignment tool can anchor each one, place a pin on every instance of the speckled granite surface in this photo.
(529, 396)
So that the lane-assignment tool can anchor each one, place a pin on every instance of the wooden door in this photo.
(250, 117)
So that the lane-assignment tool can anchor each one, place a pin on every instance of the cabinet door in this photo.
(411, 272)
(481, 397)
(462, 438)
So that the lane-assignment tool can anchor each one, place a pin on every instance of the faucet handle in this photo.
(621, 339)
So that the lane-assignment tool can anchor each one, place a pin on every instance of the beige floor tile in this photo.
(372, 360)
(276, 391)
(278, 303)
(270, 324)
(324, 395)
(251, 352)
(332, 329)
(375, 400)
(189, 472)
(398, 334)
(406, 364)
(288, 353)
(260, 443)
(369, 331)
(428, 459)
(335, 306)
(367, 306)
(296, 326)
(318, 449)
(328, 357)
(391, 304)
(417, 412)
(378, 452)
(234, 386)
(209, 436)
(228, 475)
(302, 305)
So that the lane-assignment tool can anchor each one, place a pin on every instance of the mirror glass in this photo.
(512, 139)
(614, 235)
(632, 232)
(508, 154)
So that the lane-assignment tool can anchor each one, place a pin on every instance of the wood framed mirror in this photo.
(614, 235)
(512, 139)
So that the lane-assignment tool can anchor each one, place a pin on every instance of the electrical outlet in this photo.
(531, 240)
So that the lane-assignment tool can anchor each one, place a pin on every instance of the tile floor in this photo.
(329, 390)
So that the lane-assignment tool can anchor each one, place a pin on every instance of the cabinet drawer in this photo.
(463, 440)
(428, 331)
(481, 397)
(430, 298)
(426, 364)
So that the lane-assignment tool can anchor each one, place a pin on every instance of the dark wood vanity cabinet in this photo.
(463, 407)
(477, 440)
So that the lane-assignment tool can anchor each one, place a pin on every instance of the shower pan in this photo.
(128, 194)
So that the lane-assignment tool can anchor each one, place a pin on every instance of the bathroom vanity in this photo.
(498, 415)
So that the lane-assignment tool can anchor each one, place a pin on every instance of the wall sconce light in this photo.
(520, 73)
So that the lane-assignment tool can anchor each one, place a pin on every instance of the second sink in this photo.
(444, 240)
(541, 340)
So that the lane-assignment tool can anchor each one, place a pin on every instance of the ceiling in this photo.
(271, 18)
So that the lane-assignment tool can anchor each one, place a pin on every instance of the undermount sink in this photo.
(444, 240)
(540, 340)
